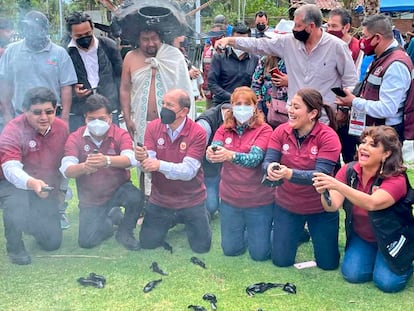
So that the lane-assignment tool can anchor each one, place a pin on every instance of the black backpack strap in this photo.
(352, 181)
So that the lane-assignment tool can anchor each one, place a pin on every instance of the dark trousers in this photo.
(24, 211)
(349, 143)
(95, 225)
(159, 220)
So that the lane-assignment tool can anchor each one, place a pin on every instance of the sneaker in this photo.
(64, 222)
(116, 215)
(127, 240)
(20, 258)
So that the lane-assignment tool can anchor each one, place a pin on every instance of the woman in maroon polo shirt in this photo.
(246, 205)
(297, 149)
(358, 188)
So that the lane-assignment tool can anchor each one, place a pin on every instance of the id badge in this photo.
(356, 122)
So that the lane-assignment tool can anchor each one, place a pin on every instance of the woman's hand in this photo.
(276, 171)
(279, 80)
(323, 182)
(218, 154)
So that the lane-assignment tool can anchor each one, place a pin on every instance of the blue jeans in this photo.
(323, 229)
(212, 187)
(363, 262)
(243, 228)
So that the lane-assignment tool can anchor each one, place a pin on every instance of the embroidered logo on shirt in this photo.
(228, 141)
(160, 141)
(285, 147)
(87, 148)
(183, 146)
(314, 150)
(52, 61)
(32, 144)
(378, 71)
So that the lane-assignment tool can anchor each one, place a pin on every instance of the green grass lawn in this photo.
(49, 283)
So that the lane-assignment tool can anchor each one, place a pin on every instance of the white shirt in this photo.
(90, 61)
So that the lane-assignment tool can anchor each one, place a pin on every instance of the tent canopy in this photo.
(397, 6)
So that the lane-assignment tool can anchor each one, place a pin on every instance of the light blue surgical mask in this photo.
(243, 113)
(98, 127)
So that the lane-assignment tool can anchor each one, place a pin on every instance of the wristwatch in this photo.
(108, 161)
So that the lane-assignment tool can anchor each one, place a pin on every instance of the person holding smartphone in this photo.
(246, 206)
(296, 150)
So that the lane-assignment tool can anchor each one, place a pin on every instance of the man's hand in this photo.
(194, 73)
(150, 165)
(141, 153)
(95, 161)
(36, 185)
(345, 101)
(222, 43)
(80, 91)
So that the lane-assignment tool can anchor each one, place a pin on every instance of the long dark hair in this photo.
(313, 100)
(388, 137)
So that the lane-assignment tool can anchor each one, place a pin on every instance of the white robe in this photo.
(171, 73)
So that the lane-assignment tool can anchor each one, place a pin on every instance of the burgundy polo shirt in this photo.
(191, 142)
(241, 186)
(97, 188)
(40, 155)
(322, 142)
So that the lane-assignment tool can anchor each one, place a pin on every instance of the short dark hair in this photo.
(379, 23)
(77, 18)
(261, 14)
(96, 102)
(346, 17)
(38, 95)
(241, 28)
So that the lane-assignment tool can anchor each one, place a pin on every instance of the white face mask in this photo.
(243, 113)
(238, 52)
(98, 127)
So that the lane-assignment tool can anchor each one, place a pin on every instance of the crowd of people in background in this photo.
(265, 155)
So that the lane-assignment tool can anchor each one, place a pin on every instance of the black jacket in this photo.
(110, 67)
(214, 119)
(228, 72)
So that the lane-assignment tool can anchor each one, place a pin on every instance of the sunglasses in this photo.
(38, 112)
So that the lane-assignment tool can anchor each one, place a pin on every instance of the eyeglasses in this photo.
(38, 112)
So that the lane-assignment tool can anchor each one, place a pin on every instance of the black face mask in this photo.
(167, 116)
(302, 35)
(260, 27)
(84, 42)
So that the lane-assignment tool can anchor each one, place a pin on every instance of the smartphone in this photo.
(275, 167)
(47, 189)
(338, 91)
(275, 71)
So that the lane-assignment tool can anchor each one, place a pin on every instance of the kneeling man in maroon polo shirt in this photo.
(98, 156)
(173, 151)
(31, 147)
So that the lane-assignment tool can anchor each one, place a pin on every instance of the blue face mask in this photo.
(243, 113)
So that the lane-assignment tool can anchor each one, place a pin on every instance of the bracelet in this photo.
(108, 161)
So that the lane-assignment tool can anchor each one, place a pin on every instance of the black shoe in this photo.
(20, 258)
(116, 215)
(127, 240)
